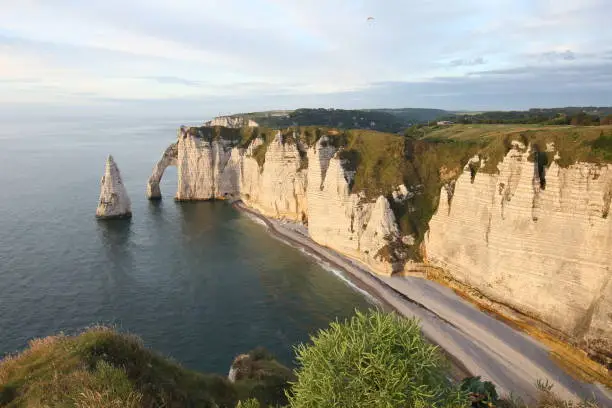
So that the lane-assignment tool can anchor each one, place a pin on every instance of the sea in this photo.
(199, 282)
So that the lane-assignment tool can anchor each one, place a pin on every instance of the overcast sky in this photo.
(222, 56)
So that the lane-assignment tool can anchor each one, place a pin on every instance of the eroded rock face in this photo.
(282, 184)
(114, 201)
(231, 122)
(169, 158)
(284, 187)
(344, 221)
(539, 246)
(240, 368)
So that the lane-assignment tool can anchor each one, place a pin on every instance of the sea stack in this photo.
(114, 201)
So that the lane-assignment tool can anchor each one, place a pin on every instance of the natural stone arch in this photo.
(169, 158)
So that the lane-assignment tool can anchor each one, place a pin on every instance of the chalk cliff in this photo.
(169, 158)
(231, 122)
(308, 185)
(538, 242)
(342, 220)
(114, 201)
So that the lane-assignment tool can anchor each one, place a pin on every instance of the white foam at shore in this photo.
(343, 278)
(255, 218)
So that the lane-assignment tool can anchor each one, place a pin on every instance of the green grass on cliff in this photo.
(101, 368)
(573, 143)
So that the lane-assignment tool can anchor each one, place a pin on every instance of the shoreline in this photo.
(475, 342)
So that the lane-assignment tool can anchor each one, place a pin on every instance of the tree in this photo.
(581, 119)
(373, 360)
(607, 120)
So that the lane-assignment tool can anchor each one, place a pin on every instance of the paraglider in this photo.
(370, 19)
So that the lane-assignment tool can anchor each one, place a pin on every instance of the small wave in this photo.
(256, 219)
(310, 254)
(347, 281)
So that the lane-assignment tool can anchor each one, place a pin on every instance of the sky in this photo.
(225, 56)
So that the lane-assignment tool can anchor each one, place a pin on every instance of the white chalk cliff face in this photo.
(114, 201)
(284, 188)
(169, 158)
(281, 189)
(343, 221)
(231, 122)
(539, 246)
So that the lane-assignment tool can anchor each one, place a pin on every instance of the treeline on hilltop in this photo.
(383, 120)
(577, 116)
(397, 120)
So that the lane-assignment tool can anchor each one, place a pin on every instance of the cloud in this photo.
(467, 62)
(566, 55)
(291, 52)
(174, 80)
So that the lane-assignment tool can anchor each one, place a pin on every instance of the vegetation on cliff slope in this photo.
(373, 360)
(101, 368)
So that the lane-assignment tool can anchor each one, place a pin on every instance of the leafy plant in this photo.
(250, 403)
(373, 359)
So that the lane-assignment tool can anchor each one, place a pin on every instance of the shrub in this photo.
(482, 393)
(250, 403)
(373, 360)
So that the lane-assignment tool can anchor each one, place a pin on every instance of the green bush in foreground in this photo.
(373, 360)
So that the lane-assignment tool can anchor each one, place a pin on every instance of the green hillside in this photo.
(102, 368)
(577, 115)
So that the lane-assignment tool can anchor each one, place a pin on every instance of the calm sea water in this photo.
(199, 282)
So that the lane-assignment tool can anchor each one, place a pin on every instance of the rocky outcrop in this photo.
(282, 184)
(342, 220)
(114, 201)
(537, 241)
(240, 368)
(307, 185)
(169, 158)
(231, 122)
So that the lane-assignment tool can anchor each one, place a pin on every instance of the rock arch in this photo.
(169, 158)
